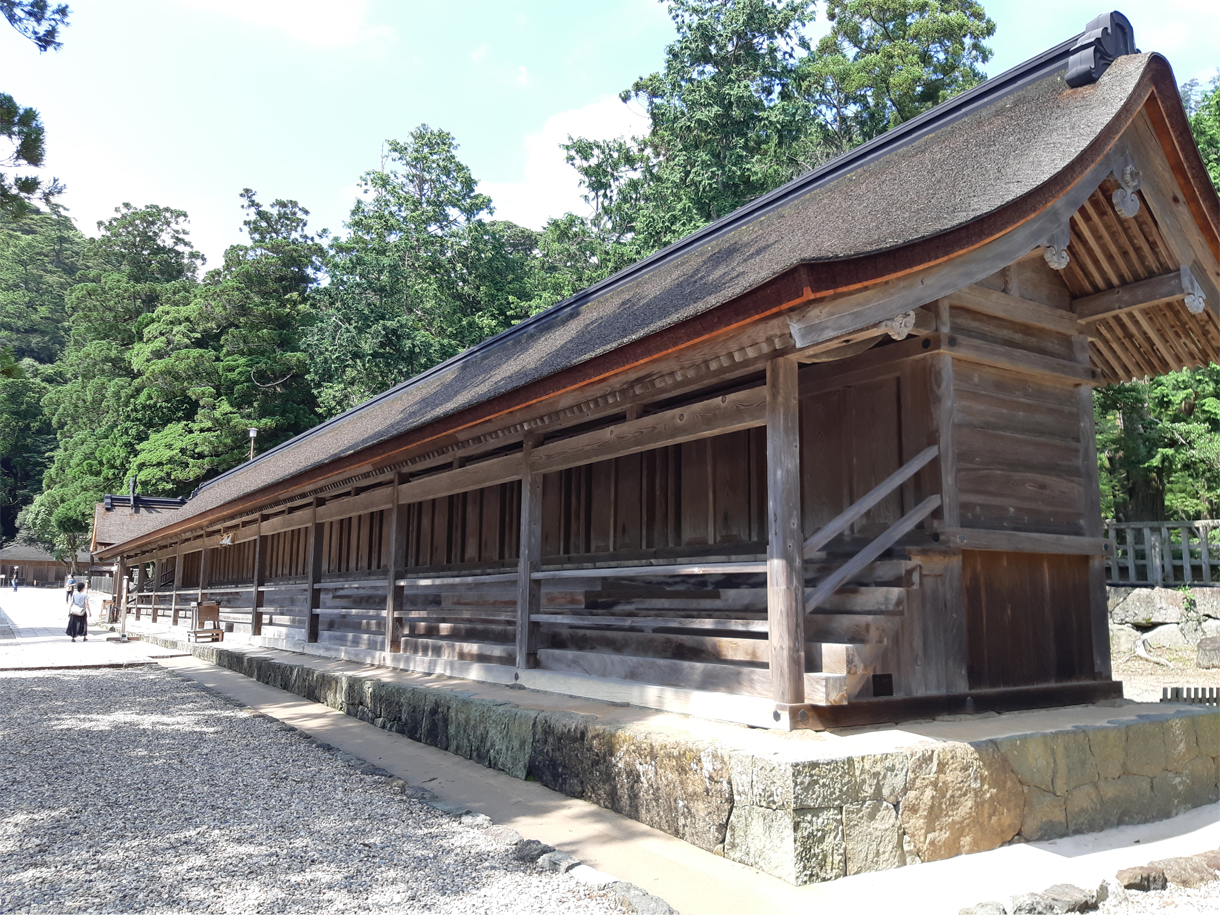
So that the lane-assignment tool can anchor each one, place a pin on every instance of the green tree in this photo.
(886, 61)
(421, 275)
(1203, 109)
(231, 356)
(39, 259)
(21, 125)
(26, 439)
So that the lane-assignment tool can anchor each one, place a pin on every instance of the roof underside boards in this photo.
(952, 177)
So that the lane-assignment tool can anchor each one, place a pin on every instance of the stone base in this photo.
(802, 806)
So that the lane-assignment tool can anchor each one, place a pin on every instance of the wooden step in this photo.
(443, 629)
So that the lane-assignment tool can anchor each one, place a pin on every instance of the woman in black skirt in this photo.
(78, 614)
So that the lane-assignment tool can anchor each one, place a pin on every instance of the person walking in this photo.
(78, 614)
(70, 585)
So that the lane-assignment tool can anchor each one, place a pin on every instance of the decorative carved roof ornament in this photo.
(1105, 38)
(900, 325)
(1126, 203)
(1056, 253)
(1196, 298)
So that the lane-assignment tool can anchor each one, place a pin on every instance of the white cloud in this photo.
(479, 53)
(318, 23)
(523, 76)
(549, 186)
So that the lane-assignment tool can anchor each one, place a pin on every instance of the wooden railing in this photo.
(1166, 554)
(814, 597)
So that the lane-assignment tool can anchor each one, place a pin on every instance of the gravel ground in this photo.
(1182, 900)
(137, 791)
(1143, 680)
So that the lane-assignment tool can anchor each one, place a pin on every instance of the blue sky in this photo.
(186, 102)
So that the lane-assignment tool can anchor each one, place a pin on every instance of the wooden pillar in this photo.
(395, 568)
(942, 409)
(205, 572)
(529, 589)
(1099, 614)
(173, 600)
(785, 564)
(156, 588)
(141, 568)
(314, 597)
(260, 579)
(120, 589)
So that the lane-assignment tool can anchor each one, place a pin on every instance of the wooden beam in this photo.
(371, 501)
(287, 522)
(491, 472)
(1015, 360)
(967, 538)
(529, 589)
(1011, 308)
(314, 594)
(1156, 290)
(394, 567)
(728, 413)
(785, 562)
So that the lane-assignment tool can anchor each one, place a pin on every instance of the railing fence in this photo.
(1163, 555)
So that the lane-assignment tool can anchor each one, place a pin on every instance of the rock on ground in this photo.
(139, 791)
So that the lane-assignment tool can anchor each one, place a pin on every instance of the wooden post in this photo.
(120, 589)
(205, 572)
(314, 597)
(260, 579)
(529, 589)
(1099, 614)
(395, 567)
(1152, 554)
(141, 569)
(785, 542)
(173, 600)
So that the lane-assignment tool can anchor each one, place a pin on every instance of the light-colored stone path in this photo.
(33, 636)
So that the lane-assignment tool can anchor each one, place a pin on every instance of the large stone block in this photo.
(1145, 753)
(1044, 816)
(1109, 746)
(802, 846)
(872, 835)
(1181, 744)
(1085, 811)
(961, 798)
(1127, 799)
(823, 783)
(1122, 641)
(1207, 601)
(1074, 763)
(1207, 732)
(1150, 607)
(1167, 636)
(559, 756)
(1032, 758)
(882, 777)
(494, 734)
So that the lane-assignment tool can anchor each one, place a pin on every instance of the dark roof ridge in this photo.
(947, 112)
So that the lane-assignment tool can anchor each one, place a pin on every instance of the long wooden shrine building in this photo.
(827, 459)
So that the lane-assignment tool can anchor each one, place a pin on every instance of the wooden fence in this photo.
(1163, 555)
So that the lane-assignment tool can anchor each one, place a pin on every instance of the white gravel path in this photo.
(139, 791)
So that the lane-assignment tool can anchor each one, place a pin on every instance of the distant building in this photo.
(32, 565)
(117, 519)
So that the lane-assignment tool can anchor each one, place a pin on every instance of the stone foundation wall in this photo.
(1166, 617)
(800, 819)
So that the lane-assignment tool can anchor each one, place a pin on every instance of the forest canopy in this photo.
(122, 356)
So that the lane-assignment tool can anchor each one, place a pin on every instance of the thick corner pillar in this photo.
(785, 563)
(141, 572)
(313, 600)
(1099, 614)
(395, 569)
(529, 589)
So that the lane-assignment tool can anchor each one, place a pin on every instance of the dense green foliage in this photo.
(121, 358)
